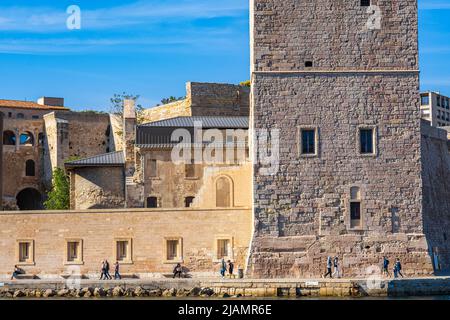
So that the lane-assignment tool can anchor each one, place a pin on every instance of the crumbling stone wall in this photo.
(97, 188)
(436, 193)
(359, 77)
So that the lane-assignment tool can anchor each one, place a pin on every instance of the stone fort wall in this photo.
(146, 229)
(436, 193)
(359, 78)
(1, 161)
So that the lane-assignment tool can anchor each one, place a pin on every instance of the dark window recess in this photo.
(355, 210)
(365, 3)
(30, 168)
(308, 141)
(152, 202)
(34, 117)
(188, 201)
(308, 64)
(366, 140)
(445, 236)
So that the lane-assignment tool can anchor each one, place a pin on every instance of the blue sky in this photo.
(152, 48)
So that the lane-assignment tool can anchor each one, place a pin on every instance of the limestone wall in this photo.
(436, 192)
(147, 229)
(1, 161)
(97, 188)
(176, 109)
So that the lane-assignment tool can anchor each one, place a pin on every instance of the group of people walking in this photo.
(334, 263)
(105, 271)
(397, 269)
(224, 268)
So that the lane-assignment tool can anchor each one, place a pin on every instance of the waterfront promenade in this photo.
(209, 287)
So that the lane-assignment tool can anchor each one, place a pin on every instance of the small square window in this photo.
(308, 141)
(365, 3)
(189, 170)
(25, 252)
(152, 202)
(123, 250)
(366, 139)
(308, 64)
(74, 253)
(173, 250)
(188, 201)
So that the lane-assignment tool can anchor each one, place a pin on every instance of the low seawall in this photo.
(226, 288)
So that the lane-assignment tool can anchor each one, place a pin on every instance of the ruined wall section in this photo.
(436, 193)
(97, 188)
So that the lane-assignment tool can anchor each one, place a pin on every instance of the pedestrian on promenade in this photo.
(16, 272)
(108, 276)
(230, 269)
(117, 271)
(223, 268)
(103, 273)
(386, 266)
(329, 265)
(336, 267)
(177, 271)
(398, 267)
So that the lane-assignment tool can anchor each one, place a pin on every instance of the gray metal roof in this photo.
(206, 122)
(112, 159)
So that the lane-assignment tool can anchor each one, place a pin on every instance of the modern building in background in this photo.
(435, 108)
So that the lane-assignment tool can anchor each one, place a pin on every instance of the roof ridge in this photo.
(95, 156)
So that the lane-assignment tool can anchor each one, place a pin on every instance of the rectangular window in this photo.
(74, 251)
(438, 100)
(188, 201)
(24, 251)
(365, 3)
(366, 141)
(308, 137)
(355, 214)
(424, 100)
(152, 202)
(123, 250)
(223, 248)
(173, 250)
(152, 167)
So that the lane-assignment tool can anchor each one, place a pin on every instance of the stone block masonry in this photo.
(319, 65)
(147, 253)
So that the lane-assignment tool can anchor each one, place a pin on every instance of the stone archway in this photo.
(29, 199)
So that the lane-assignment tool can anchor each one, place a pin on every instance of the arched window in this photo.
(355, 207)
(20, 116)
(30, 168)
(9, 138)
(26, 139)
(223, 192)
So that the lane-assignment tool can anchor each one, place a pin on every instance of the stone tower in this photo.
(339, 80)
(1, 161)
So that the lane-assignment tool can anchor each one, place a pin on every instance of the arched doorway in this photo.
(29, 199)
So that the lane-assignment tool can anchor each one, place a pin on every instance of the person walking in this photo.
(386, 266)
(177, 271)
(329, 265)
(16, 272)
(230, 269)
(108, 276)
(336, 267)
(103, 273)
(223, 268)
(117, 271)
(398, 268)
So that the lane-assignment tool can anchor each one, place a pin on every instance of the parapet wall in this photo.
(146, 229)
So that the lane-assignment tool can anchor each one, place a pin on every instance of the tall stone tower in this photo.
(339, 80)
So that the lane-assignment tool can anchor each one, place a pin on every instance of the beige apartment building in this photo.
(435, 108)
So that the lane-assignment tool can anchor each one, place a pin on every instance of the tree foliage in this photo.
(245, 83)
(171, 99)
(59, 196)
(117, 105)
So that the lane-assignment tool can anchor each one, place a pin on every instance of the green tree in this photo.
(171, 99)
(245, 83)
(59, 196)
(117, 105)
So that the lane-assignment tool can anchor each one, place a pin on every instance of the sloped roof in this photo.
(207, 122)
(27, 105)
(112, 159)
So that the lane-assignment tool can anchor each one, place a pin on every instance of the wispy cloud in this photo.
(45, 19)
